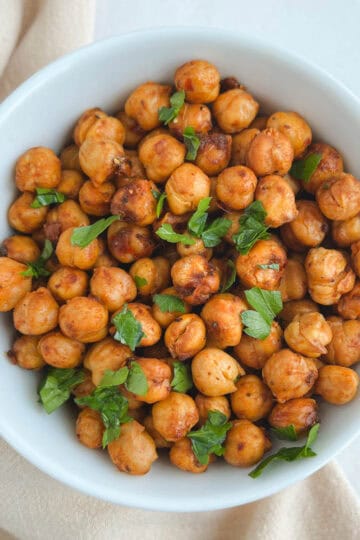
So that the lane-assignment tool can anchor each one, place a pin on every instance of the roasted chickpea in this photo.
(264, 252)
(66, 283)
(329, 275)
(185, 336)
(23, 217)
(349, 304)
(174, 416)
(62, 217)
(252, 399)
(134, 450)
(278, 200)
(101, 160)
(182, 456)
(289, 375)
(107, 127)
(259, 122)
(240, 145)
(95, 200)
(254, 352)
(159, 441)
(128, 242)
(133, 132)
(235, 187)
(106, 354)
(104, 258)
(90, 428)
(302, 413)
(197, 248)
(196, 115)
(245, 444)
(69, 158)
(221, 315)
(355, 257)
(185, 188)
(294, 127)
(70, 183)
(270, 152)
(309, 334)
(293, 183)
(214, 153)
(38, 167)
(36, 313)
(346, 232)
(297, 307)
(161, 155)
(84, 319)
(337, 384)
(144, 103)
(156, 273)
(293, 284)
(13, 284)
(150, 327)
(331, 164)
(215, 372)
(212, 403)
(344, 349)
(308, 228)
(85, 122)
(20, 248)
(199, 79)
(75, 256)
(86, 387)
(234, 110)
(61, 351)
(339, 197)
(167, 317)
(25, 353)
(158, 375)
(195, 279)
(113, 287)
(135, 202)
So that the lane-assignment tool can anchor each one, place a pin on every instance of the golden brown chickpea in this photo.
(66, 283)
(331, 164)
(133, 132)
(134, 450)
(158, 375)
(36, 313)
(150, 327)
(86, 387)
(84, 319)
(293, 183)
(38, 167)
(195, 279)
(185, 336)
(309, 334)
(86, 120)
(302, 413)
(254, 352)
(104, 258)
(344, 349)
(270, 152)
(159, 441)
(167, 317)
(20, 248)
(199, 79)
(100, 160)
(349, 304)
(155, 271)
(144, 103)
(107, 354)
(25, 353)
(293, 284)
(24, 218)
(221, 315)
(198, 248)
(182, 456)
(235, 187)
(96, 200)
(69, 158)
(307, 229)
(214, 153)
(252, 399)
(289, 375)
(355, 257)
(135, 202)
(212, 403)
(90, 428)
(294, 127)
(196, 115)
(136, 168)
(337, 384)
(259, 122)
(70, 183)
(161, 155)
(185, 188)
(13, 284)
(63, 216)
(107, 127)
(240, 145)
(245, 444)
(346, 232)
(278, 200)
(329, 275)
(234, 110)
(174, 416)
(297, 307)
(339, 197)
(215, 372)
(113, 287)
(263, 252)
(128, 242)
(75, 256)
(152, 133)
(60, 351)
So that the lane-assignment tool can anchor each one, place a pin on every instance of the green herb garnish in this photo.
(272, 266)
(210, 437)
(232, 277)
(114, 378)
(166, 232)
(168, 114)
(136, 381)
(47, 196)
(37, 268)
(303, 169)
(192, 143)
(83, 236)
(182, 381)
(168, 303)
(128, 330)
(287, 433)
(55, 388)
(214, 233)
(140, 281)
(160, 197)
(252, 228)
(197, 222)
(267, 305)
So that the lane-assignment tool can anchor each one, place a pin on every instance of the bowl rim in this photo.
(10, 435)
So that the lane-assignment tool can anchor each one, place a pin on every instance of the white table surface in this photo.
(324, 31)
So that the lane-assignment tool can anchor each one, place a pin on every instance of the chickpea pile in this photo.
(137, 167)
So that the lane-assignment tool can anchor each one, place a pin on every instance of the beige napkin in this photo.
(36, 507)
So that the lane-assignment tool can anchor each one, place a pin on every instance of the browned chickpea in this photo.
(344, 349)
(13, 284)
(158, 375)
(331, 164)
(75, 256)
(197, 248)
(235, 187)
(107, 354)
(156, 273)
(100, 160)
(185, 188)
(36, 312)
(25, 353)
(212, 403)
(69, 158)
(293, 284)
(90, 428)
(337, 384)
(161, 155)
(185, 336)
(355, 257)
(128, 242)
(70, 183)
(349, 304)
(152, 133)
(135, 202)
(84, 319)
(215, 372)
(309, 334)
(263, 252)
(199, 79)
(63, 216)
(234, 110)
(150, 327)
(61, 351)
(329, 275)
(133, 132)
(167, 317)
(182, 456)
(240, 145)
(245, 444)
(302, 413)
(66, 283)
(107, 127)
(144, 103)
(24, 218)
(293, 183)
(195, 279)
(95, 200)
(289, 375)
(174, 416)
(113, 287)
(104, 258)
(86, 387)
(270, 152)
(20, 248)
(278, 200)
(134, 450)
(307, 229)
(196, 115)
(252, 399)
(339, 197)
(259, 122)
(214, 153)
(159, 441)
(254, 352)
(346, 232)
(86, 120)
(297, 307)
(294, 127)
(38, 167)
(221, 315)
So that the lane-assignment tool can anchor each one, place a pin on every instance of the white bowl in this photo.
(42, 112)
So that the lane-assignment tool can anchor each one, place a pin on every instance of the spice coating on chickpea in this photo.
(161, 155)
(66, 283)
(214, 153)
(75, 256)
(128, 242)
(144, 103)
(337, 384)
(61, 351)
(235, 187)
(135, 202)
(308, 334)
(22, 217)
(70, 183)
(106, 354)
(167, 317)
(302, 413)
(278, 200)
(195, 279)
(67, 215)
(297, 307)
(252, 399)
(174, 416)
(346, 232)
(234, 110)
(100, 160)
(95, 200)
(13, 284)
(22, 249)
(36, 313)
(293, 283)
(215, 372)
(38, 167)
(83, 319)
(133, 132)
(221, 315)
(212, 403)
(199, 79)
(254, 352)
(245, 444)
(331, 164)
(270, 152)
(90, 428)
(294, 127)
(196, 115)
(349, 304)
(158, 375)
(308, 228)
(113, 287)
(185, 188)
(25, 353)
(185, 336)
(240, 145)
(344, 348)
(182, 456)
(339, 197)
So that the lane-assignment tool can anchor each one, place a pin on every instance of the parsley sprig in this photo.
(182, 380)
(192, 143)
(252, 228)
(212, 233)
(168, 114)
(287, 433)
(303, 169)
(160, 198)
(128, 330)
(166, 232)
(37, 268)
(56, 386)
(47, 196)
(267, 304)
(169, 303)
(83, 236)
(210, 437)
(133, 377)
(231, 273)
